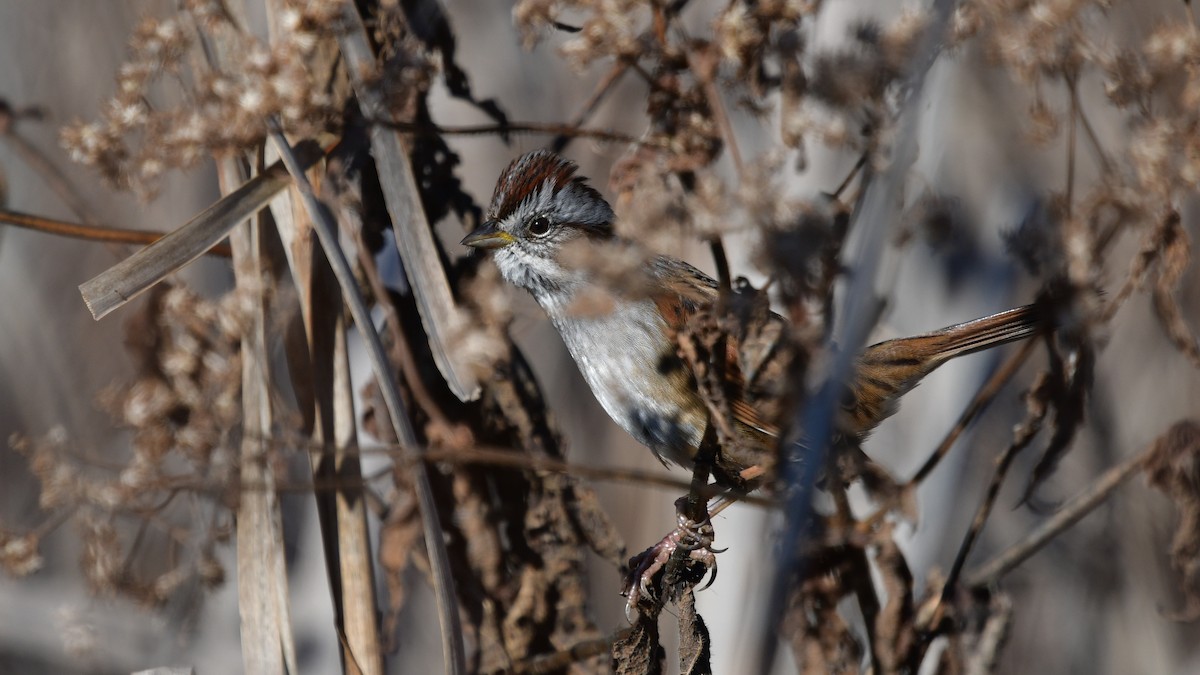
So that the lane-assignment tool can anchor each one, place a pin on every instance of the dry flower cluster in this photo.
(519, 523)
(172, 109)
(182, 411)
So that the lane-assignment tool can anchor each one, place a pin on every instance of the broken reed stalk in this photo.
(414, 237)
(127, 279)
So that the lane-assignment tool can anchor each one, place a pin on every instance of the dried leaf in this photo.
(695, 645)
(639, 653)
(1174, 468)
(821, 640)
(1064, 389)
(399, 539)
(1174, 254)
(896, 640)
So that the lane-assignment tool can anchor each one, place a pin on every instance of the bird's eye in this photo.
(539, 226)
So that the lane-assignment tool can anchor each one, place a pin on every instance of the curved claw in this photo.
(693, 538)
(712, 577)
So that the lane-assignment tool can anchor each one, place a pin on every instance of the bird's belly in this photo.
(629, 364)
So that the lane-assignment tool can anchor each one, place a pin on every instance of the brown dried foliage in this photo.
(182, 412)
(1173, 466)
(172, 109)
(520, 539)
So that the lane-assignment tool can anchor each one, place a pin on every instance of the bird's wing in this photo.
(683, 292)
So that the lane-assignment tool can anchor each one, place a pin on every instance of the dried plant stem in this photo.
(487, 456)
(605, 85)
(986, 394)
(993, 636)
(560, 660)
(561, 130)
(1071, 125)
(1074, 510)
(342, 512)
(443, 580)
(1101, 155)
(414, 237)
(403, 351)
(267, 644)
(704, 66)
(873, 217)
(1022, 437)
(505, 457)
(101, 233)
(360, 646)
(854, 171)
(42, 165)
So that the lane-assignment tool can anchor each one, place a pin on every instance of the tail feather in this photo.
(990, 331)
(887, 370)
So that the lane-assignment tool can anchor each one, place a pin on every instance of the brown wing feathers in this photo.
(886, 370)
(678, 304)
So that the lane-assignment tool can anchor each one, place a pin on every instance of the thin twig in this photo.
(510, 127)
(558, 661)
(439, 557)
(391, 318)
(1023, 436)
(992, 637)
(706, 72)
(986, 394)
(482, 455)
(1105, 162)
(101, 233)
(605, 85)
(1070, 80)
(854, 171)
(41, 164)
(1074, 510)
(721, 261)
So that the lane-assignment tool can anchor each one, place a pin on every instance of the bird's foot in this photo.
(684, 556)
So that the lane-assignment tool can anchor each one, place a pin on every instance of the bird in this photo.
(629, 354)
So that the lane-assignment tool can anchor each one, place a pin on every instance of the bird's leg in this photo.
(685, 555)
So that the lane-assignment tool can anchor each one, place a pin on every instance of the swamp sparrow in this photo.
(629, 355)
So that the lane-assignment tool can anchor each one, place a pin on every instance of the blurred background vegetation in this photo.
(1051, 142)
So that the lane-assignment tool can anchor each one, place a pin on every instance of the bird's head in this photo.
(538, 207)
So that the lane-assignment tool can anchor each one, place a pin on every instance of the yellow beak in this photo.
(489, 236)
